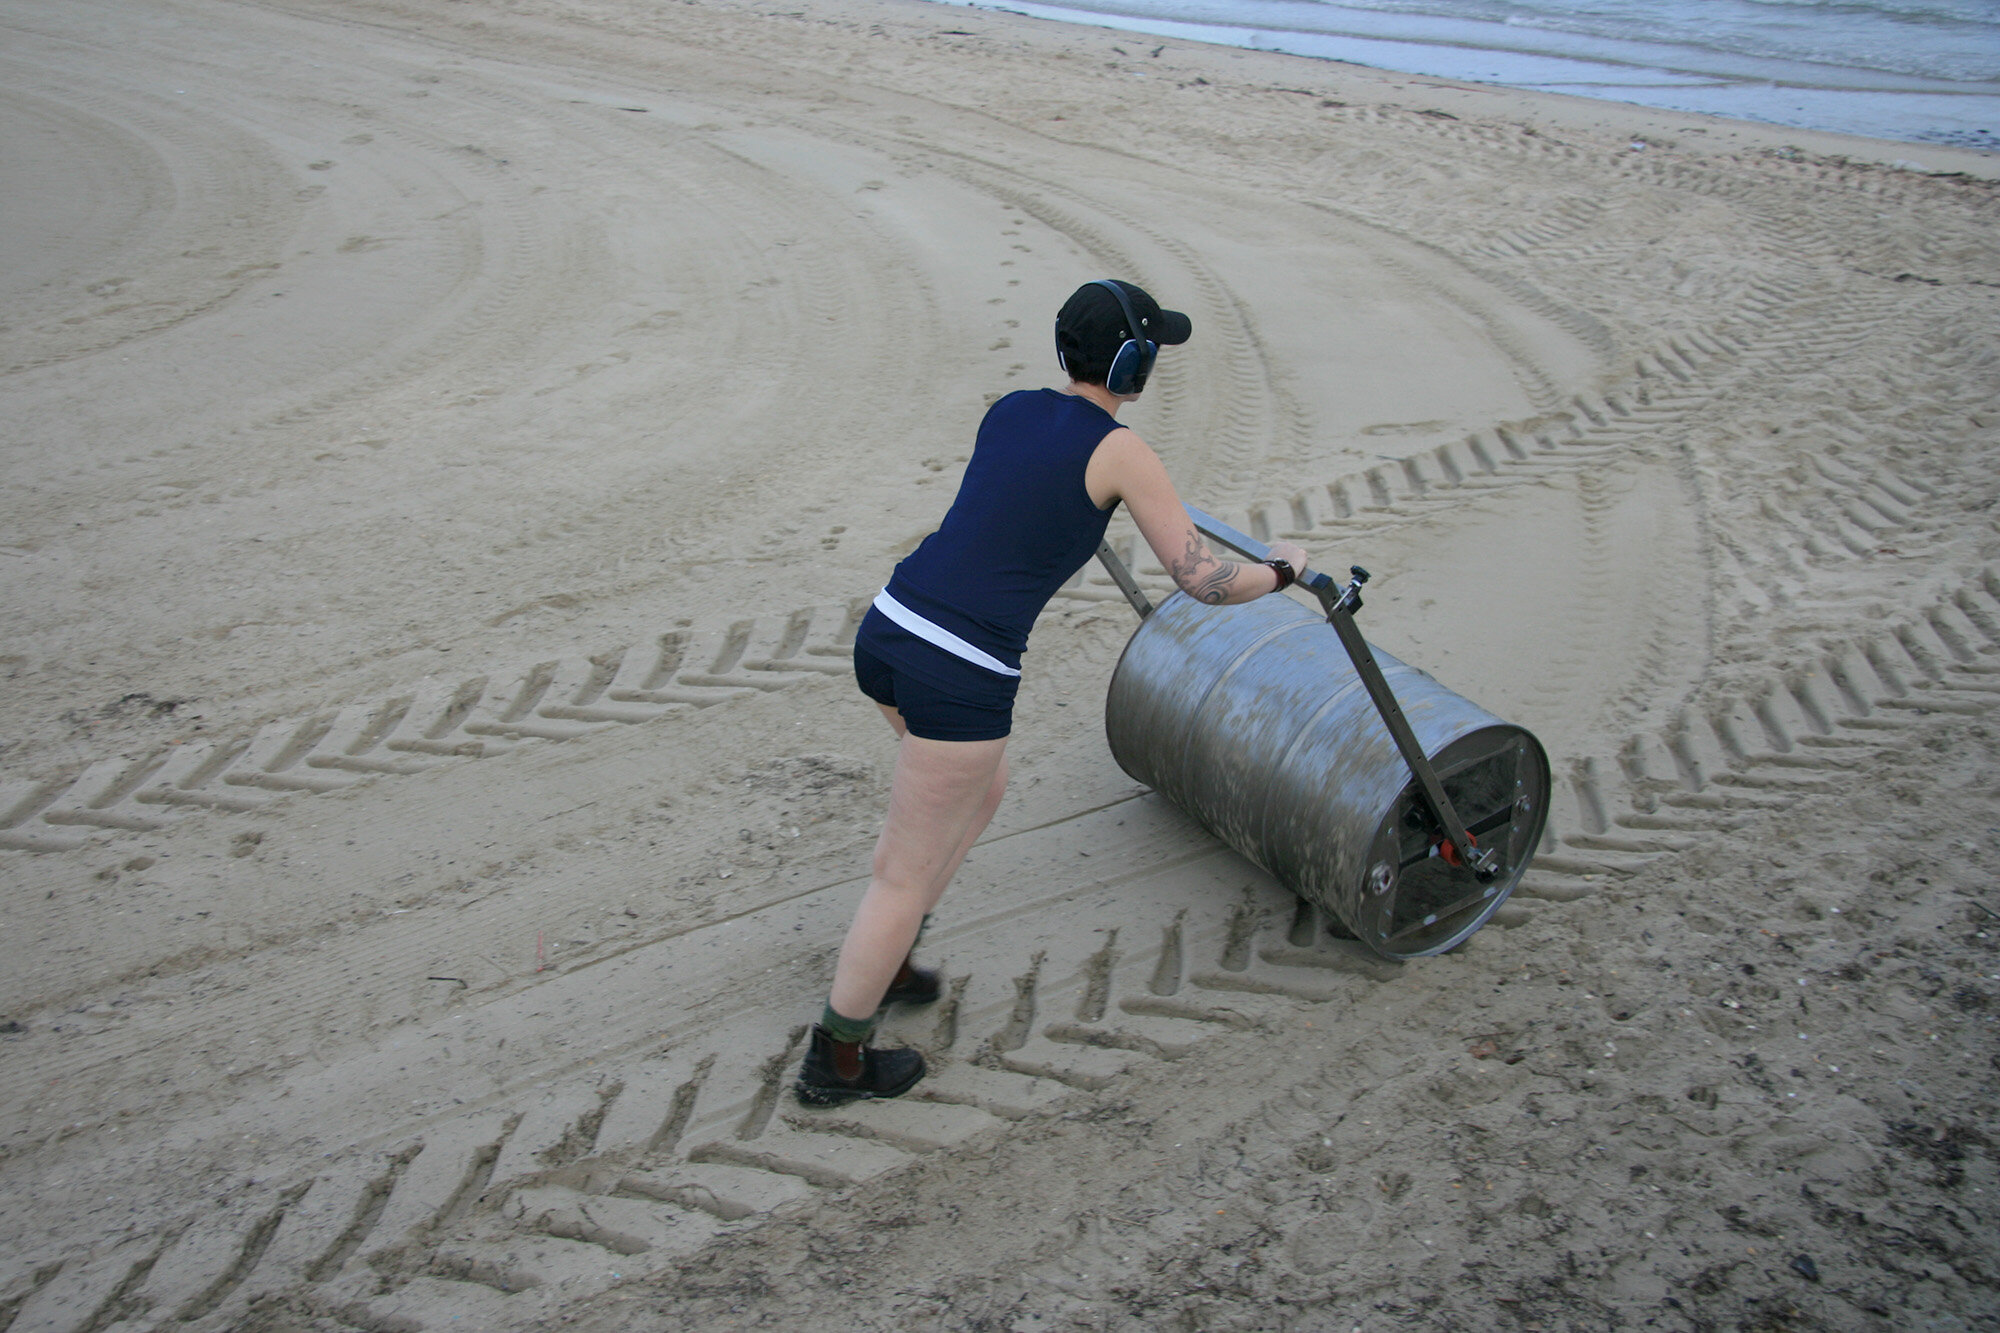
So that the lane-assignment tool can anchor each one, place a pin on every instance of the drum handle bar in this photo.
(1340, 604)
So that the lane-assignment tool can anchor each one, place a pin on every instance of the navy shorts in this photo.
(950, 699)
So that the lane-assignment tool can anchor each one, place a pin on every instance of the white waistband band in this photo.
(938, 635)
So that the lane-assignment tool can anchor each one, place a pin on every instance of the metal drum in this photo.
(1253, 720)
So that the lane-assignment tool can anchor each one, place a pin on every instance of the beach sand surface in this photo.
(450, 446)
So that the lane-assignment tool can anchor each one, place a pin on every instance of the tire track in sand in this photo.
(566, 1187)
(560, 698)
(575, 1204)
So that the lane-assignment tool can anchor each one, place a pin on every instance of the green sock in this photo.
(842, 1028)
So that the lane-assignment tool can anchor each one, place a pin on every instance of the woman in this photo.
(940, 652)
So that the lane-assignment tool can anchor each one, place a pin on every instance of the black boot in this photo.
(838, 1072)
(913, 985)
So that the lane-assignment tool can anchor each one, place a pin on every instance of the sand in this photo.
(447, 446)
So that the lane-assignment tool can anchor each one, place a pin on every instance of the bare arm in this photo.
(1125, 468)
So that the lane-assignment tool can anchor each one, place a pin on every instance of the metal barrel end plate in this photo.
(1251, 718)
(1498, 780)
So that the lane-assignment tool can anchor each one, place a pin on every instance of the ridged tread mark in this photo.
(1169, 971)
(464, 92)
(366, 1214)
(84, 1290)
(1654, 168)
(420, 1221)
(1909, 647)
(483, 715)
(580, 1138)
(1246, 918)
(1362, 503)
(1565, 218)
(771, 1086)
(1096, 997)
(1709, 771)
(104, 1307)
(679, 1111)
(250, 1252)
(1121, 993)
(111, 806)
(1906, 646)
(944, 1021)
(1615, 246)
(1798, 226)
(22, 1289)
(1020, 1022)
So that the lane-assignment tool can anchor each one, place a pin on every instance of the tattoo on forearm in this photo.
(1215, 588)
(1201, 575)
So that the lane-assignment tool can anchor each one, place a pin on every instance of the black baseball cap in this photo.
(1091, 326)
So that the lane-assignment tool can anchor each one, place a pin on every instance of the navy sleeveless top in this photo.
(1021, 526)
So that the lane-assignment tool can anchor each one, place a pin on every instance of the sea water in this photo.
(1924, 71)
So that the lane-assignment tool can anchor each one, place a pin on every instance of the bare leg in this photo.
(994, 793)
(941, 799)
(981, 818)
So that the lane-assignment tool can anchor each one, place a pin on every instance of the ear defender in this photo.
(1134, 360)
(1130, 367)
